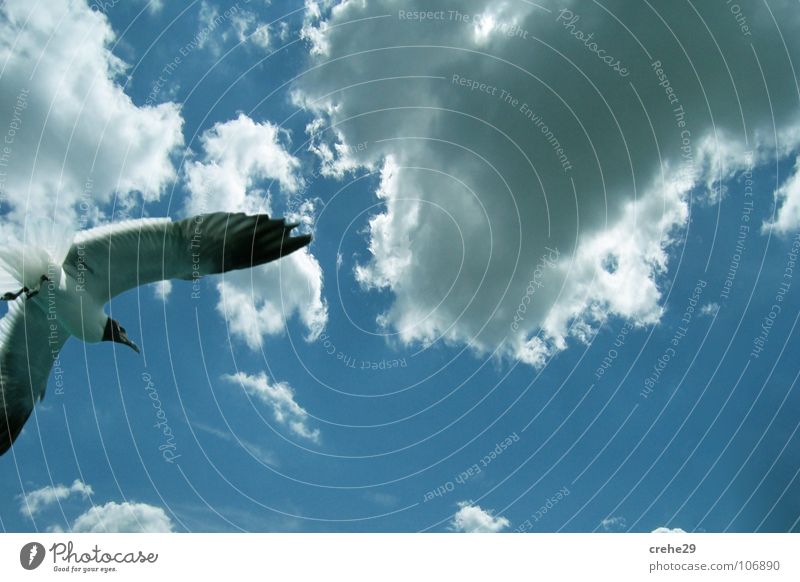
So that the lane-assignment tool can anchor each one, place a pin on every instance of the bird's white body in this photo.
(65, 300)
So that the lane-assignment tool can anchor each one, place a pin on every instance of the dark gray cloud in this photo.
(506, 131)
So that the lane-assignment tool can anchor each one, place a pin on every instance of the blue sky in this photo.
(383, 416)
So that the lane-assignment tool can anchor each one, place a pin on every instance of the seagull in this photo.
(60, 299)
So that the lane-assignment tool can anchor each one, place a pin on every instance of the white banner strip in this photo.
(371, 557)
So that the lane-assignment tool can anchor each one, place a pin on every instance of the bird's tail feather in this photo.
(22, 266)
(29, 251)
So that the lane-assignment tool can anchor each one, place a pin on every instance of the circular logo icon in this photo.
(31, 555)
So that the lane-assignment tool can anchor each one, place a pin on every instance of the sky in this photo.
(554, 282)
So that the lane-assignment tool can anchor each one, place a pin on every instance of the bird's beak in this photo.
(126, 340)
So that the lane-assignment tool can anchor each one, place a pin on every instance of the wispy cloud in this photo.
(258, 451)
(35, 501)
(617, 523)
(279, 396)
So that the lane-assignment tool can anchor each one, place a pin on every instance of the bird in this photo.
(61, 299)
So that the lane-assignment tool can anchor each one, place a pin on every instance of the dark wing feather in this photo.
(222, 242)
(187, 249)
(29, 343)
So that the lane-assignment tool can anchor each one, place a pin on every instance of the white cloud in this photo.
(616, 523)
(668, 530)
(787, 196)
(260, 36)
(279, 396)
(235, 24)
(111, 517)
(314, 29)
(283, 31)
(473, 519)
(155, 6)
(77, 137)
(39, 499)
(259, 301)
(239, 156)
(486, 177)
(162, 290)
(249, 29)
(125, 517)
(336, 159)
(209, 20)
(709, 309)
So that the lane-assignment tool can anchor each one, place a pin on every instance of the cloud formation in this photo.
(111, 517)
(668, 530)
(473, 519)
(125, 517)
(35, 501)
(74, 138)
(279, 397)
(787, 197)
(616, 523)
(242, 160)
(500, 134)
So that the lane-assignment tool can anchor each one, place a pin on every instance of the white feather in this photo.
(37, 249)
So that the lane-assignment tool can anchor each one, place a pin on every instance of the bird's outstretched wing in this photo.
(29, 343)
(114, 258)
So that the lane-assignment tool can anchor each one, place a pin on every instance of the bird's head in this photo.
(114, 332)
